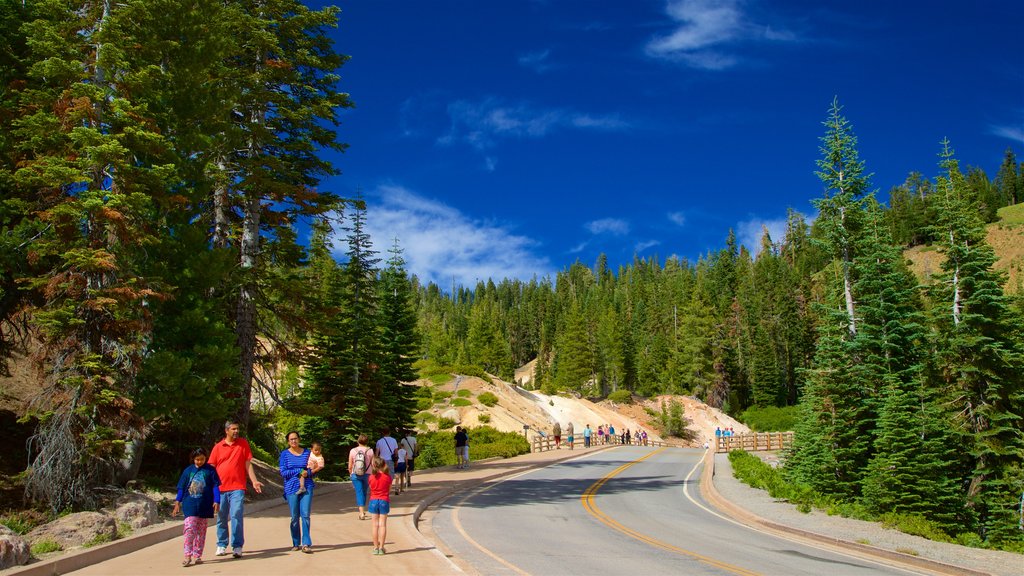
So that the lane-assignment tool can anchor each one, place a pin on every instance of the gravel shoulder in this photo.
(759, 503)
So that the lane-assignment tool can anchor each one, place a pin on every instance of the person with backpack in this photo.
(360, 460)
(387, 448)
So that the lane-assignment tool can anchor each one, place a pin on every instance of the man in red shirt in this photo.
(232, 458)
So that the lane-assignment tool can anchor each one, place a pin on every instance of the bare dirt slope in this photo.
(517, 407)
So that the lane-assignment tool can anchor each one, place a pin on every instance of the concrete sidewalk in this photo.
(341, 542)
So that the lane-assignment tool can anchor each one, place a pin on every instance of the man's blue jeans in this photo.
(232, 506)
(299, 505)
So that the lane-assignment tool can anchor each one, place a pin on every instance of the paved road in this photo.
(629, 510)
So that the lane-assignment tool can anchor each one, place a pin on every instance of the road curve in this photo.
(629, 510)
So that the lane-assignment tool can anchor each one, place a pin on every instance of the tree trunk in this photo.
(245, 319)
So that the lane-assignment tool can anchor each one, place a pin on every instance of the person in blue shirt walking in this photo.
(294, 464)
(198, 499)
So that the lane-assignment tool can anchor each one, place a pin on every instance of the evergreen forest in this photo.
(161, 165)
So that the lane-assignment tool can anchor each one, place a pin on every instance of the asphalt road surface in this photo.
(630, 510)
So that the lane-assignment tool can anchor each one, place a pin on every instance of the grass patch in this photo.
(440, 379)
(462, 402)
(909, 551)
(863, 541)
(45, 547)
(23, 521)
(488, 399)
(445, 424)
(424, 403)
(440, 395)
(464, 393)
(1012, 216)
(124, 530)
(98, 539)
(483, 418)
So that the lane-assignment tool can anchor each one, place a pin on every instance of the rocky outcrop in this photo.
(14, 551)
(135, 510)
(76, 529)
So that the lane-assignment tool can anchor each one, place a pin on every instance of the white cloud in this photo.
(1015, 133)
(614, 226)
(536, 61)
(677, 218)
(482, 124)
(708, 32)
(641, 246)
(440, 243)
(749, 232)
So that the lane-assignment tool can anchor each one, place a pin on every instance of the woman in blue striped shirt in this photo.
(294, 464)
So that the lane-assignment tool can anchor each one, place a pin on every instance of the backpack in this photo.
(360, 464)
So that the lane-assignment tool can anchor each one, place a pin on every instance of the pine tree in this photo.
(979, 357)
(344, 388)
(399, 341)
(99, 171)
(913, 467)
(842, 172)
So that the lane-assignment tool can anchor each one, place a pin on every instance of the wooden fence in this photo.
(754, 442)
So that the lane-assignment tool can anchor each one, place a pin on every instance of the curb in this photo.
(167, 530)
(710, 493)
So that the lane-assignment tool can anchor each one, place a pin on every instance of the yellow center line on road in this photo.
(588, 503)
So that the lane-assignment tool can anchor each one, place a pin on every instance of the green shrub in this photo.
(753, 471)
(916, 525)
(462, 402)
(45, 546)
(423, 392)
(440, 395)
(483, 418)
(621, 397)
(488, 399)
(438, 448)
(771, 418)
(424, 404)
(425, 417)
(464, 393)
(445, 423)
(262, 455)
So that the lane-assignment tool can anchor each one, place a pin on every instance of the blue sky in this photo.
(501, 138)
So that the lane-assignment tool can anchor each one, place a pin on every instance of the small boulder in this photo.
(14, 551)
(453, 415)
(76, 529)
(135, 509)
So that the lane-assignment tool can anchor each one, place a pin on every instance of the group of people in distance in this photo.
(605, 435)
(214, 486)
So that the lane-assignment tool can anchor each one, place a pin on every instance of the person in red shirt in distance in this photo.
(232, 458)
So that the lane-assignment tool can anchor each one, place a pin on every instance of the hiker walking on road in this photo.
(232, 458)
(387, 448)
(294, 464)
(556, 431)
(360, 460)
(380, 503)
(198, 500)
(413, 450)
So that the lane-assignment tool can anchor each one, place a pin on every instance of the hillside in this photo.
(517, 407)
(1005, 236)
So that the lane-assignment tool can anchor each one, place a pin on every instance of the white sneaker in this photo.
(221, 551)
(236, 552)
